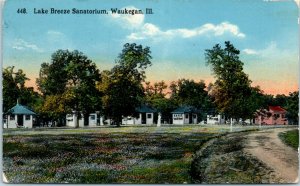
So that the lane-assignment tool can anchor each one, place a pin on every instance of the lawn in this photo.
(103, 155)
(290, 138)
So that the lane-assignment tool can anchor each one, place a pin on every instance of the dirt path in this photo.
(267, 147)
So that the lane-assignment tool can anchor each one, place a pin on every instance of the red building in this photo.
(275, 115)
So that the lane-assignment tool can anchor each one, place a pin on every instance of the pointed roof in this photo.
(276, 109)
(185, 109)
(145, 109)
(20, 109)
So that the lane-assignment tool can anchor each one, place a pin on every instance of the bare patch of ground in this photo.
(267, 147)
(246, 157)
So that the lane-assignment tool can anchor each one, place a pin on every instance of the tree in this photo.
(158, 89)
(292, 107)
(155, 95)
(70, 79)
(189, 92)
(124, 91)
(232, 89)
(14, 89)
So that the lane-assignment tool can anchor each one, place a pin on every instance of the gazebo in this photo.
(19, 116)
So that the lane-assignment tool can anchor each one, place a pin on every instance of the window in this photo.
(186, 116)
(92, 117)
(27, 117)
(177, 116)
(149, 115)
(12, 117)
(282, 116)
(194, 116)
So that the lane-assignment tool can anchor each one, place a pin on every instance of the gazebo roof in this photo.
(20, 109)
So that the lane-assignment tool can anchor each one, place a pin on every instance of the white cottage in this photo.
(185, 115)
(215, 119)
(93, 120)
(19, 116)
(146, 116)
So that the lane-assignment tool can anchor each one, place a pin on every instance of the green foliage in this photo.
(232, 89)
(69, 81)
(292, 107)
(291, 138)
(155, 95)
(14, 89)
(189, 92)
(123, 88)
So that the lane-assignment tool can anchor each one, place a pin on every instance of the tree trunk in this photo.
(86, 119)
(76, 119)
(118, 121)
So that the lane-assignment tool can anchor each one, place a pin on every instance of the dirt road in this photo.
(267, 147)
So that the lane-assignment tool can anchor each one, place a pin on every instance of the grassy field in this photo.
(136, 154)
(291, 138)
(103, 155)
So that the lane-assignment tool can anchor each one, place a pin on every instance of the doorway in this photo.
(143, 118)
(20, 120)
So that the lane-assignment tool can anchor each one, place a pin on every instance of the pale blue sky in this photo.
(178, 32)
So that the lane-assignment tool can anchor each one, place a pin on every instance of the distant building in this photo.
(146, 116)
(275, 115)
(185, 115)
(215, 119)
(71, 119)
(19, 116)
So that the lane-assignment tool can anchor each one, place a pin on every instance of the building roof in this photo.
(185, 109)
(20, 109)
(276, 109)
(145, 109)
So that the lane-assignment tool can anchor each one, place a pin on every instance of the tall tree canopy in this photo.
(292, 106)
(124, 90)
(232, 89)
(69, 80)
(155, 95)
(189, 92)
(14, 89)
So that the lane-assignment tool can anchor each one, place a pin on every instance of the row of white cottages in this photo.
(22, 116)
(147, 115)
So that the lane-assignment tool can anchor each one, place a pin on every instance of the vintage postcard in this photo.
(150, 91)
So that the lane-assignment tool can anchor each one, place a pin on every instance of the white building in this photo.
(93, 120)
(215, 119)
(185, 115)
(145, 116)
(19, 116)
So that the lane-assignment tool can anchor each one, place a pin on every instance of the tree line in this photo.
(71, 82)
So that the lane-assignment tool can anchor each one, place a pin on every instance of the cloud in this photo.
(58, 39)
(270, 50)
(297, 2)
(250, 51)
(20, 44)
(55, 34)
(151, 31)
(128, 20)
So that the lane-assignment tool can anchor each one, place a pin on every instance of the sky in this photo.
(178, 32)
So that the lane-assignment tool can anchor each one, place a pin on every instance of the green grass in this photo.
(129, 155)
(290, 138)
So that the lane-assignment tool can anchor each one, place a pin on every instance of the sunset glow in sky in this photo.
(179, 31)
